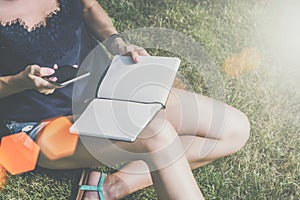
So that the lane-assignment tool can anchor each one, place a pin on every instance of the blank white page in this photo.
(149, 80)
(112, 119)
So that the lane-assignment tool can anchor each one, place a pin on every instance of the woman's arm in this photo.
(9, 85)
(30, 78)
(101, 26)
(97, 20)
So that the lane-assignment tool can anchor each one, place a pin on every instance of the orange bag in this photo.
(55, 139)
(18, 153)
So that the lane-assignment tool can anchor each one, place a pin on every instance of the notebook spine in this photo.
(141, 102)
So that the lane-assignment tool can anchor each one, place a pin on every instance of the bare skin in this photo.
(189, 133)
(201, 144)
(35, 12)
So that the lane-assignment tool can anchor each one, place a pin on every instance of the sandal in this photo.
(83, 187)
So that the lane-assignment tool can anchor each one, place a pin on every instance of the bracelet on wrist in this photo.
(108, 42)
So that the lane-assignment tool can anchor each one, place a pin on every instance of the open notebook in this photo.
(128, 98)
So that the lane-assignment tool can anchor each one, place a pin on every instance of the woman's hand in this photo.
(119, 47)
(32, 78)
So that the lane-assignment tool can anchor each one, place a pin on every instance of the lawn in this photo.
(233, 35)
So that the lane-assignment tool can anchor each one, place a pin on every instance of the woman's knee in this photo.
(161, 144)
(236, 128)
(157, 135)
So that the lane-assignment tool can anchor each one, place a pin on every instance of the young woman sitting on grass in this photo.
(36, 34)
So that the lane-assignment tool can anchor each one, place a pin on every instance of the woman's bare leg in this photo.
(192, 116)
(208, 129)
(160, 147)
(201, 142)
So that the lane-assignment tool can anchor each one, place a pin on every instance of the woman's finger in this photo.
(45, 71)
(48, 91)
(129, 48)
(33, 69)
(51, 91)
(133, 51)
(134, 56)
(39, 71)
(53, 78)
(142, 52)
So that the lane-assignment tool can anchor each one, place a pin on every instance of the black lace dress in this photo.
(63, 40)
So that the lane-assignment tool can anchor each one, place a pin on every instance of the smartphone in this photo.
(66, 75)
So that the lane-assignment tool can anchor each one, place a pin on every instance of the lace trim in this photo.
(36, 26)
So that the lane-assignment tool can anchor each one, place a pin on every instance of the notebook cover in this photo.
(114, 119)
(150, 80)
(129, 97)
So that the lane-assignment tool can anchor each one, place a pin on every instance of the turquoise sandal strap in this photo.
(98, 188)
(89, 187)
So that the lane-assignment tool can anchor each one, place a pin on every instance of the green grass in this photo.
(268, 167)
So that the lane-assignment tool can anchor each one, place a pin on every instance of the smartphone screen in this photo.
(65, 75)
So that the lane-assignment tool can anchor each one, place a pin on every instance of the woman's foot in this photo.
(113, 188)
